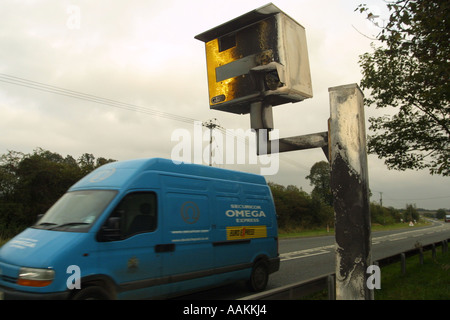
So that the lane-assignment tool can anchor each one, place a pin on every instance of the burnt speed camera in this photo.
(259, 56)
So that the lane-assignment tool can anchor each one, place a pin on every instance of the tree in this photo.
(296, 209)
(319, 177)
(292, 205)
(384, 216)
(410, 73)
(31, 183)
(440, 214)
(411, 213)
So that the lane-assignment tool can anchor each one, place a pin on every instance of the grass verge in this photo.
(430, 281)
(427, 281)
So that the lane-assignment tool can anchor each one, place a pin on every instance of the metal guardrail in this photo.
(327, 281)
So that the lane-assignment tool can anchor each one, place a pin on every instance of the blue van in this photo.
(146, 228)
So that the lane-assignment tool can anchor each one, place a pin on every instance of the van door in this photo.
(187, 226)
(130, 256)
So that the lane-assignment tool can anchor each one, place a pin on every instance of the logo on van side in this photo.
(245, 213)
(246, 232)
(102, 175)
(190, 212)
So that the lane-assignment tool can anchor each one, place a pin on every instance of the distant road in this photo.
(315, 256)
(306, 258)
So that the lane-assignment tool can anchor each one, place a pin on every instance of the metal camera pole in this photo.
(350, 188)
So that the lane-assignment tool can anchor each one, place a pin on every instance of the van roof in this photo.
(118, 174)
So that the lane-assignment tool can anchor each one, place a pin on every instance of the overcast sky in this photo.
(143, 53)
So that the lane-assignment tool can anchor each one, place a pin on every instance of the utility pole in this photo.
(350, 187)
(210, 125)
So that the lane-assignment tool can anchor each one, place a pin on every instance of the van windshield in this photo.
(76, 211)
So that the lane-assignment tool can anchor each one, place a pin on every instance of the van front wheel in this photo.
(259, 277)
(91, 293)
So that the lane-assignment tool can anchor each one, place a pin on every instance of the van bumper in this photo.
(11, 294)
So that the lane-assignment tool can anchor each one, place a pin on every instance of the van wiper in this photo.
(44, 224)
(69, 224)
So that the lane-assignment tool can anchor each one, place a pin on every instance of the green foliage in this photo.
(319, 177)
(296, 209)
(429, 281)
(31, 183)
(384, 216)
(411, 213)
(440, 214)
(409, 74)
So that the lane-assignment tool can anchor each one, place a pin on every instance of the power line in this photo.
(411, 199)
(105, 101)
(91, 98)
(10, 79)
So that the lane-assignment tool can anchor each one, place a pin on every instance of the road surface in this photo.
(306, 258)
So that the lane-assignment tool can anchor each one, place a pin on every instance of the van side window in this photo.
(137, 212)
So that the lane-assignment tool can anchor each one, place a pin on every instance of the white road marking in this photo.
(327, 249)
(305, 253)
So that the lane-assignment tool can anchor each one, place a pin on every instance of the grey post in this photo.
(350, 187)
(403, 262)
(331, 280)
(433, 251)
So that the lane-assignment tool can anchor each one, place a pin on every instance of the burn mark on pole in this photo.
(350, 186)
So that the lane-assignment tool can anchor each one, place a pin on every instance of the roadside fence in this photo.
(327, 281)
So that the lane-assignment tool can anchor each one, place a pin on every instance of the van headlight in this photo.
(33, 277)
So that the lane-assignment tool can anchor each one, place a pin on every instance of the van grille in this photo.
(8, 279)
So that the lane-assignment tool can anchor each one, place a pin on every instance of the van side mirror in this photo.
(110, 231)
